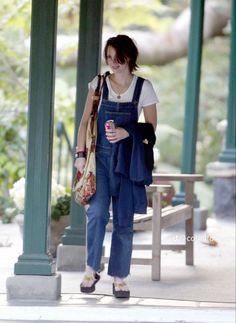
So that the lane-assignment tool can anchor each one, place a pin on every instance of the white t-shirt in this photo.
(147, 97)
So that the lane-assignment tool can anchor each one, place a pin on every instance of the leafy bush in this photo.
(60, 200)
(61, 208)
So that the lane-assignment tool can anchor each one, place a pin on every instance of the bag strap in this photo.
(96, 96)
(97, 92)
(96, 99)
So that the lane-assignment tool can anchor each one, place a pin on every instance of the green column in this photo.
(228, 155)
(192, 92)
(35, 259)
(90, 35)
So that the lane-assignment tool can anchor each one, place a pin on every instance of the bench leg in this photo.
(156, 236)
(189, 228)
(189, 238)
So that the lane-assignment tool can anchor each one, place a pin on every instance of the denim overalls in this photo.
(98, 215)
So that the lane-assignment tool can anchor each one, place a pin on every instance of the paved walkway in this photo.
(97, 308)
(204, 293)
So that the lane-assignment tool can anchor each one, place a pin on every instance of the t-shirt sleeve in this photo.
(93, 83)
(148, 95)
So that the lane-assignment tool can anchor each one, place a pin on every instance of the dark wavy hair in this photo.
(125, 49)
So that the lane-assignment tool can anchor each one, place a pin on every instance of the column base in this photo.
(221, 170)
(71, 258)
(31, 287)
(224, 197)
(228, 156)
(35, 264)
(200, 218)
(73, 236)
(224, 183)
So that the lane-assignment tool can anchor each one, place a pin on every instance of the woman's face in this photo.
(112, 61)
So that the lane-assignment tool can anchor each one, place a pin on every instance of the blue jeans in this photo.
(97, 219)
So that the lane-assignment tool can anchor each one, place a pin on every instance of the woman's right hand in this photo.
(80, 164)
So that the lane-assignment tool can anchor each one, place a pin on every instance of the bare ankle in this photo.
(89, 270)
(118, 279)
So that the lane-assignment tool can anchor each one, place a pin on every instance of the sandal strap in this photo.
(120, 285)
(88, 277)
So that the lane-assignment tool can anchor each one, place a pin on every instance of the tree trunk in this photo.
(159, 49)
(162, 48)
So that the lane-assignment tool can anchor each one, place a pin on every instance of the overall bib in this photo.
(98, 215)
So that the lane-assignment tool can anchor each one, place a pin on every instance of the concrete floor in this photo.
(202, 293)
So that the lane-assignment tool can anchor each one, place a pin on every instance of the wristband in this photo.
(80, 154)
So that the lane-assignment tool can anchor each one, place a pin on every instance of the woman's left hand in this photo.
(117, 134)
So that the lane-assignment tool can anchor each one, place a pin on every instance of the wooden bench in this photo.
(169, 216)
(166, 217)
(142, 222)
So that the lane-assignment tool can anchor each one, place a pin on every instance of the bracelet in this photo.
(80, 154)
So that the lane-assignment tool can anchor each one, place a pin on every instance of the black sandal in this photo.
(89, 289)
(119, 293)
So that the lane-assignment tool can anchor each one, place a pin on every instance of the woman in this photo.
(124, 96)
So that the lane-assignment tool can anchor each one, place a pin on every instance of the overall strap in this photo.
(138, 89)
(104, 85)
(105, 90)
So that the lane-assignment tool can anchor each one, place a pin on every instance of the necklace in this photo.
(119, 89)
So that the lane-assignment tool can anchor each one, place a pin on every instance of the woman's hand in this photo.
(80, 164)
(117, 134)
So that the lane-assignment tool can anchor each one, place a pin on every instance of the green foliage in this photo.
(14, 30)
(121, 15)
(12, 149)
(157, 15)
(64, 101)
(168, 80)
(213, 100)
(169, 83)
(62, 207)
(14, 76)
(8, 215)
(68, 16)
